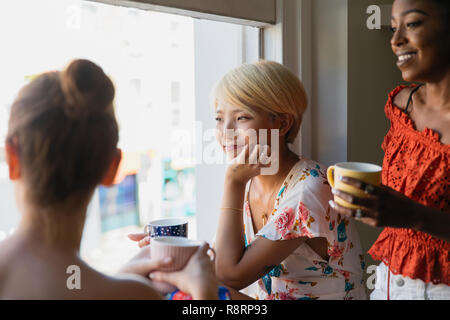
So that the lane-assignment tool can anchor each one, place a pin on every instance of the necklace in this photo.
(265, 214)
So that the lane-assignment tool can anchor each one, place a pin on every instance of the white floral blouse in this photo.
(302, 210)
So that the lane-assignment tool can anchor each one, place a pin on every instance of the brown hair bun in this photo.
(64, 128)
(86, 88)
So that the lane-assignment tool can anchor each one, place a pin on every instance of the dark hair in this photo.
(444, 5)
(63, 127)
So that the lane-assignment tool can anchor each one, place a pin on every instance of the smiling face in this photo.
(420, 40)
(237, 127)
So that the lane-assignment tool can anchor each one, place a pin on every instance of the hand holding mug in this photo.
(142, 265)
(175, 227)
(191, 264)
(197, 278)
(349, 199)
(381, 207)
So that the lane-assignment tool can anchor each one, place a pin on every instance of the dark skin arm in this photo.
(386, 207)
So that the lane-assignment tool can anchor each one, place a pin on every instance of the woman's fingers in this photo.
(260, 155)
(364, 215)
(253, 159)
(369, 202)
(137, 236)
(254, 155)
(147, 266)
(242, 157)
(144, 265)
(203, 250)
(264, 158)
(143, 239)
(169, 277)
(158, 264)
(174, 278)
(367, 188)
(144, 242)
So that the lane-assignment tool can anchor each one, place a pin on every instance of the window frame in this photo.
(232, 11)
(284, 38)
(285, 35)
(289, 42)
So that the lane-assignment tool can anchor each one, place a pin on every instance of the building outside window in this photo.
(152, 58)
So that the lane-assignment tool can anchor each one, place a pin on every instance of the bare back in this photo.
(31, 272)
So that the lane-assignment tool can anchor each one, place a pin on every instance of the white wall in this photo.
(212, 40)
(353, 70)
(328, 102)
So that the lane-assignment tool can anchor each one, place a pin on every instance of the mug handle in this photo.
(330, 175)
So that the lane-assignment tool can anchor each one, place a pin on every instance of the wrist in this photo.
(418, 217)
(233, 196)
(234, 176)
(206, 294)
(234, 184)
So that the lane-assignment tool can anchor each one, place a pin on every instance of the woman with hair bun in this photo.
(61, 144)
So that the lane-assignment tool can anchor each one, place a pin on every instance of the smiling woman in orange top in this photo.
(414, 201)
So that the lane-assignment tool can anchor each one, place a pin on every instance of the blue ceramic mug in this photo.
(171, 227)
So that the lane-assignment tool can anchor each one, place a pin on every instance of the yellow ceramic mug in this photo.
(366, 172)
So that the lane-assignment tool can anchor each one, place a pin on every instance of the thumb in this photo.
(137, 236)
(148, 266)
(169, 277)
(144, 266)
(203, 249)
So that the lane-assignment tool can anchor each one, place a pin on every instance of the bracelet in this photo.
(236, 209)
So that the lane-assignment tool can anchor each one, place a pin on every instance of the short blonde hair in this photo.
(264, 85)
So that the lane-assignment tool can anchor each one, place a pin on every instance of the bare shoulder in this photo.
(401, 99)
(30, 273)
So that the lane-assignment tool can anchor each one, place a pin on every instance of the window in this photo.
(163, 67)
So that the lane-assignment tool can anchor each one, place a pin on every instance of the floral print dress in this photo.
(301, 210)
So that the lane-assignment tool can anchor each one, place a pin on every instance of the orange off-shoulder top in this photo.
(416, 164)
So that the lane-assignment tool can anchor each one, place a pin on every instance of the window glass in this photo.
(150, 57)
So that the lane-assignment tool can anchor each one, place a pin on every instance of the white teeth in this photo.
(404, 57)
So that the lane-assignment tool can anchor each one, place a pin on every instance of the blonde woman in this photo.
(277, 236)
